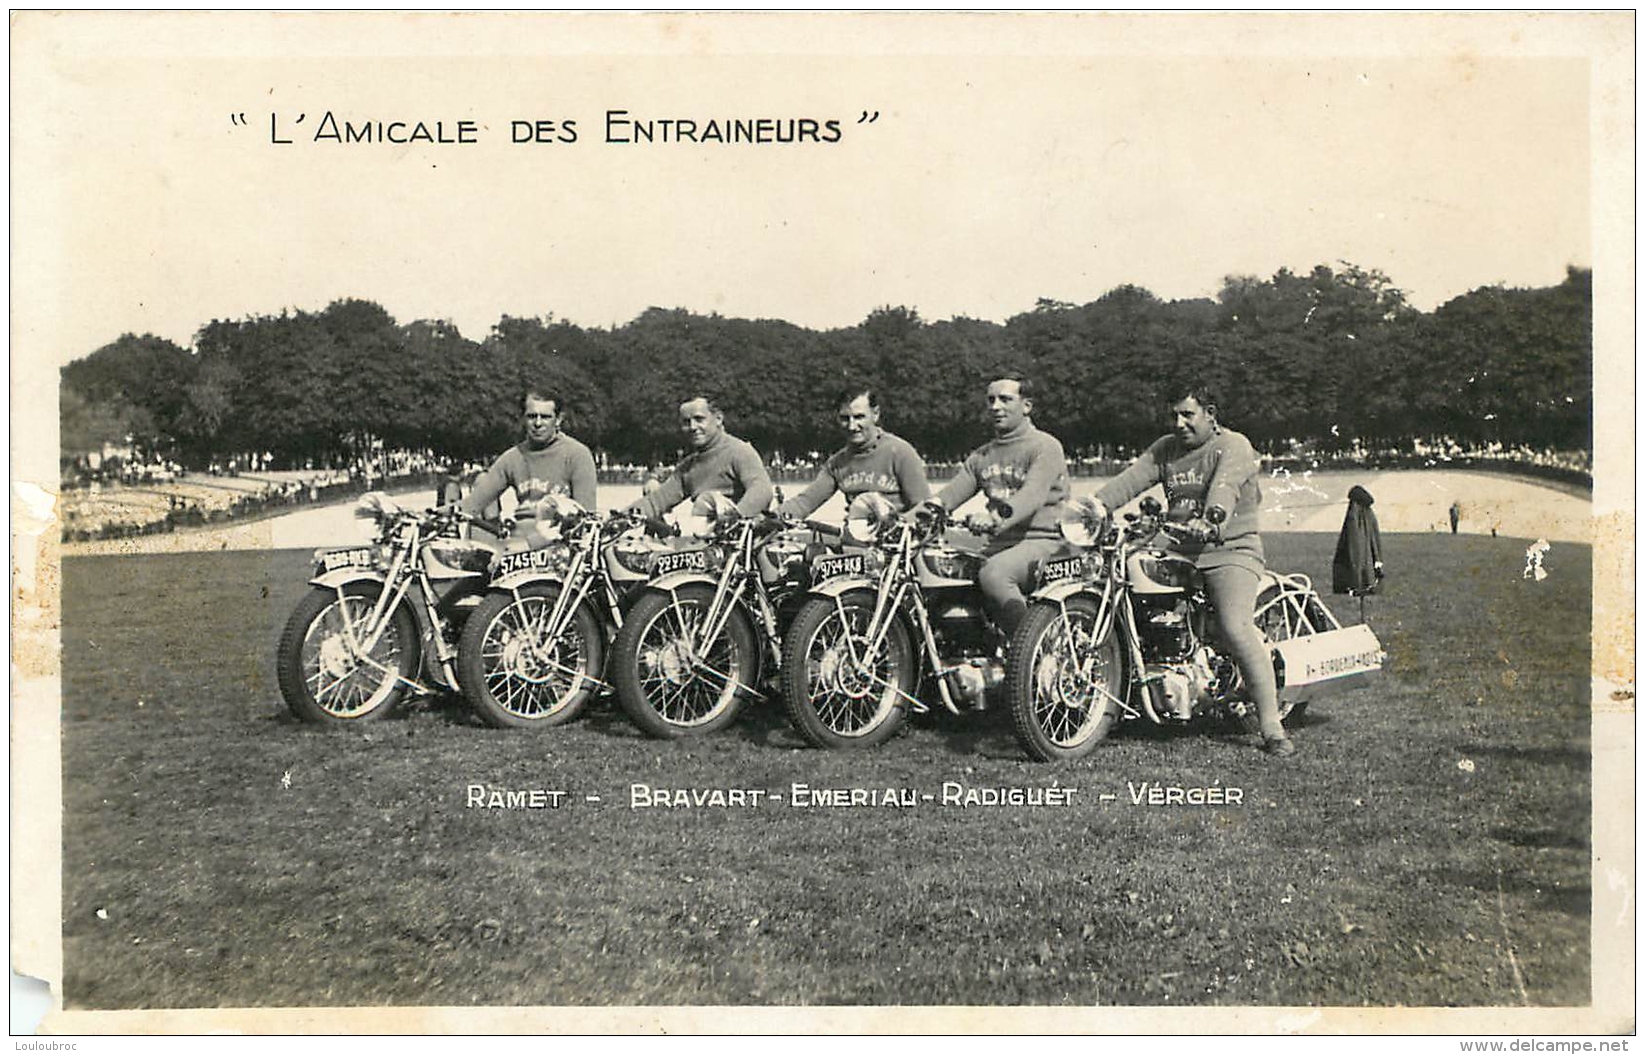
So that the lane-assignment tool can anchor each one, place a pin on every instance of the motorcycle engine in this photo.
(960, 627)
(1181, 688)
(1165, 629)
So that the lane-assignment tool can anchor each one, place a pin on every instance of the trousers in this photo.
(1233, 591)
(1007, 574)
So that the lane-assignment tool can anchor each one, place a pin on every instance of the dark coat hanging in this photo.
(1357, 567)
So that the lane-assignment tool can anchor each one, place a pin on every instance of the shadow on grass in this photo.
(1571, 899)
(1540, 840)
(1565, 756)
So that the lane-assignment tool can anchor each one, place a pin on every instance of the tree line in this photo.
(1333, 356)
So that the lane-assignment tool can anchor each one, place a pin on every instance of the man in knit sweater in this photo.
(871, 460)
(1023, 474)
(718, 462)
(547, 462)
(1210, 474)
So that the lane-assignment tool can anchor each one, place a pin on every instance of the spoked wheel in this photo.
(1065, 691)
(835, 699)
(514, 674)
(667, 687)
(327, 672)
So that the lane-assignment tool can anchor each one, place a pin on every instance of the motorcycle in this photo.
(533, 652)
(1121, 629)
(904, 602)
(382, 616)
(706, 626)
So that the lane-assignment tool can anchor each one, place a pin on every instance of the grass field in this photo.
(1429, 845)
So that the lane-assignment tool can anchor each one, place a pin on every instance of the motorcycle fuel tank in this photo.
(1159, 572)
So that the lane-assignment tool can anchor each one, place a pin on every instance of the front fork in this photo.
(573, 590)
(389, 599)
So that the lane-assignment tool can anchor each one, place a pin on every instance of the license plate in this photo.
(346, 558)
(1062, 568)
(690, 560)
(509, 563)
(833, 567)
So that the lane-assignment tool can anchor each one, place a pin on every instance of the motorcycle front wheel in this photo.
(667, 688)
(833, 700)
(1064, 698)
(512, 676)
(324, 676)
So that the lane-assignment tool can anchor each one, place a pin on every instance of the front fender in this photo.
(676, 579)
(1058, 592)
(843, 585)
(332, 580)
(516, 579)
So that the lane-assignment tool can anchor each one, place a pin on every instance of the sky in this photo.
(1006, 160)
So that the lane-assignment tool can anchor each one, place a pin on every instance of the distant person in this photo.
(871, 460)
(717, 463)
(547, 462)
(1456, 516)
(1356, 569)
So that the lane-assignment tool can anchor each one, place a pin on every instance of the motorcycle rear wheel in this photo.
(1061, 711)
(834, 704)
(516, 682)
(322, 679)
(664, 692)
(1280, 619)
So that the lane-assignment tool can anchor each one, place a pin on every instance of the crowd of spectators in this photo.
(125, 498)
(119, 499)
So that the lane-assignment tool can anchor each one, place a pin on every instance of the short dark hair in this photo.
(542, 394)
(850, 392)
(1025, 387)
(1202, 392)
(713, 404)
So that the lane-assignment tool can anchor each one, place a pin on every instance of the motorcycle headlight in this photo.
(553, 510)
(372, 513)
(1082, 521)
(867, 514)
(707, 513)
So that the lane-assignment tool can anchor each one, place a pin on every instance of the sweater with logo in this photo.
(728, 465)
(889, 466)
(564, 466)
(1223, 473)
(1024, 469)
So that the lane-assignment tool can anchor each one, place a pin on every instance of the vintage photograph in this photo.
(1021, 522)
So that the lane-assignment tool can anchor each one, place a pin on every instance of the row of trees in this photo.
(1332, 356)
